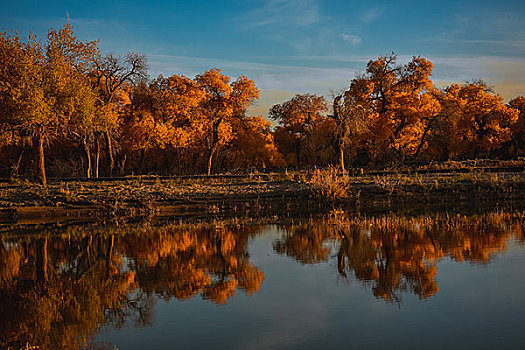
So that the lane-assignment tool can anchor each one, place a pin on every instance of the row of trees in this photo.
(64, 94)
(65, 98)
(394, 113)
(63, 89)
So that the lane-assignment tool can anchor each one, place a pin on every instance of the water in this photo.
(431, 281)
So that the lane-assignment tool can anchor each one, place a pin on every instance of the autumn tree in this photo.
(518, 129)
(72, 91)
(351, 124)
(17, 61)
(253, 145)
(112, 75)
(473, 121)
(398, 100)
(44, 89)
(298, 118)
(223, 102)
(165, 115)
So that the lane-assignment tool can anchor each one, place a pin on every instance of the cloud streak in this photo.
(297, 13)
(370, 15)
(352, 39)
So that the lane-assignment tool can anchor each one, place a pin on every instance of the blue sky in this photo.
(292, 46)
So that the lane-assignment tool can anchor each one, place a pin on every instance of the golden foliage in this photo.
(474, 121)
(65, 90)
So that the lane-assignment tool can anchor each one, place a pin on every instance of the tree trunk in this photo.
(122, 165)
(423, 139)
(341, 258)
(87, 154)
(97, 155)
(109, 152)
(40, 161)
(109, 254)
(214, 142)
(516, 145)
(210, 159)
(16, 166)
(342, 158)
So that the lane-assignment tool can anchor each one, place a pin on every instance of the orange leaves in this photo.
(215, 84)
(180, 96)
(66, 88)
(253, 145)
(299, 113)
(198, 117)
(398, 101)
(476, 120)
(244, 93)
(518, 129)
(299, 118)
(223, 101)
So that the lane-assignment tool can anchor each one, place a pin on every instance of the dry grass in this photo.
(329, 184)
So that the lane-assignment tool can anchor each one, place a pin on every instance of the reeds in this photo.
(330, 184)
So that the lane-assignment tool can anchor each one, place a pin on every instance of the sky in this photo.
(296, 46)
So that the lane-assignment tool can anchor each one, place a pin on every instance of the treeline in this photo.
(394, 114)
(68, 109)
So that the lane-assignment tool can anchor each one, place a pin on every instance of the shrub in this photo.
(329, 184)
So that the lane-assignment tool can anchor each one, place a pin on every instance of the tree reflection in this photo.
(54, 292)
(57, 291)
(394, 255)
(203, 260)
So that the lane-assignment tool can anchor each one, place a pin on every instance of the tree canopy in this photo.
(92, 111)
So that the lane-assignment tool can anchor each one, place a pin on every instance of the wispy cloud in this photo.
(491, 32)
(333, 73)
(352, 39)
(371, 15)
(503, 42)
(284, 12)
(292, 78)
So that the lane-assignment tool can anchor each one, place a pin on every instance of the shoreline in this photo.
(179, 198)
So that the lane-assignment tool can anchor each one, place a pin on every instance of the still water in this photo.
(431, 281)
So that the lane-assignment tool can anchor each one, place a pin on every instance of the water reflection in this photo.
(397, 254)
(58, 289)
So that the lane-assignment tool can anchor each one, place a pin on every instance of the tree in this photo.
(351, 123)
(297, 119)
(222, 102)
(44, 91)
(164, 115)
(111, 76)
(518, 129)
(398, 100)
(253, 145)
(16, 64)
(474, 121)
(72, 91)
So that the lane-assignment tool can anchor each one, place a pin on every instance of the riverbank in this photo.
(179, 197)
